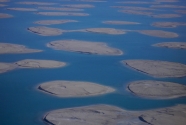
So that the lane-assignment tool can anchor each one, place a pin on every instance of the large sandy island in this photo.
(8, 48)
(4, 15)
(4, 67)
(160, 69)
(174, 45)
(22, 9)
(36, 3)
(119, 22)
(78, 5)
(60, 9)
(85, 47)
(74, 88)
(110, 31)
(158, 33)
(45, 31)
(51, 22)
(111, 115)
(62, 14)
(157, 89)
(168, 24)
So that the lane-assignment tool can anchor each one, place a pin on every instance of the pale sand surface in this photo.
(85, 47)
(174, 45)
(2, 5)
(137, 12)
(161, 69)
(157, 89)
(51, 22)
(4, 0)
(4, 67)
(167, 6)
(115, 22)
(112, 115)
(45, 31)
(110, 31)
(158, 33)
(22, 9)
(166, 16)
(60, 8)
(8, 48)
(36, 3)
(74, 88)
(132, 8)
(35, 63)
(78, 5)
(167, 0)
(138, 2)
(4, 15)
(62, 14)
(168, 24)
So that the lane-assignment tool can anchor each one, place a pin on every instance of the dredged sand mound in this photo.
(34, 63)
(74, 88)
(84, 47)
(4, 15)
(60, 9)
(110, 31)
(120, 22)
(62, 14)
(157, 89)
(4, 67)
(166, 16)
(7, 48)
(111, 115)
(168, 24)
(158, 33)
(36, 3)
(78, 5)
(51, 22)
(22, 9)
(174, 45)
(160, 69)
(45, 31)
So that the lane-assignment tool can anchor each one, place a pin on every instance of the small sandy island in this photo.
(157, 89)
(181, 11)
(45, 31)
(167, 1)
(62, 14)
(4, 67)
(119, 22)
(158, 33)
(34, 63)
(137, 2)
(74, 88)
(167, 6)
(4, 15)
(2, 5)
(132, 8)
(8, 48)
(84, 47)
(161, 69)
(78, 5)
(22, 9)
(36, 3)
(166, 16)
(51, 22)
(137, 12)
(168, 24)
(4, 1)
(174, 45)
(60, 9)
(112, 115)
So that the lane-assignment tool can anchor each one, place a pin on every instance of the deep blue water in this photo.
(22, 104)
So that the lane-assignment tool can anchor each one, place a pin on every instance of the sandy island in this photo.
(86, 0)
(60, 9)
(157, 89)
(8, 48)
(136, 12)
(5, 67)
(36, 3)
(62, 14)
(84, 47)
(181, 11)
(22, 9)
(158, 33)
(132, 8)
(51, 22)
(45, 31)
(161, 69)
(4, 1)
(78, 5)
(174, 45)
(168, 24)
(112, 115)
(137, 2)
(167, 6)
(114, 22)
(74, 88)
(4, 15)
(166, 16)
(2, 5)
(167, 0)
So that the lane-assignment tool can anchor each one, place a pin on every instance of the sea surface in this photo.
(20, 101)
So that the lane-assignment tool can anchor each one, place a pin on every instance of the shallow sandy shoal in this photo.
(168, 24)
(62, 14)
(36, 3)
(22, 9)
(78, 5)
(51, 22)
(119, 22)
(60, 9)
(174, 45)
(4, 15)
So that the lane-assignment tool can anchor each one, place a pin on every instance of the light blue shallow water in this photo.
(22, 104)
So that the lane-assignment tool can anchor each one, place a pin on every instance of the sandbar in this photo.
(22, 9)
(60, 9)
(45, 31)
(156, 68)
(62, 14)
(4, 1)
(168, 24)
(167, 0)
(2, 5)
(132, 8)
(84, 47)
(157, 89)
(158, 33)
(4, 15)
(78, 5)
(112, 115)
(90, 0)
(62, 88)
(114, 22)
(137, 2)
(166, 16)
(51, 22)
(167, 6)
(35, 63)
(136, 12)
(110, 31)
(174, 45)
(4, 67)
(8, 48)
(36, 3)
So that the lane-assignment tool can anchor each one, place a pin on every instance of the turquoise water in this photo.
(22, 104)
